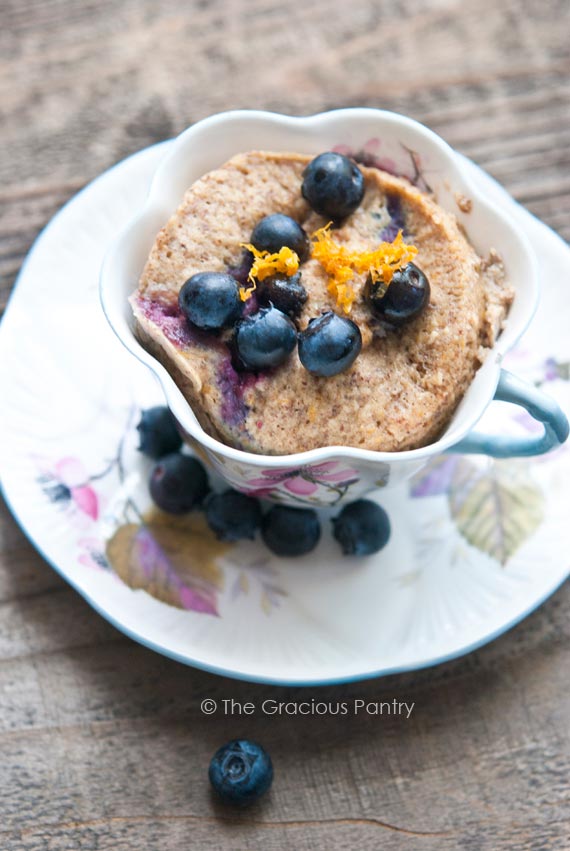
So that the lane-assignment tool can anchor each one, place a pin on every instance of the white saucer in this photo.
(476, 545)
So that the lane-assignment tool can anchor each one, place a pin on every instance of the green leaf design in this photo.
(563, 370)
(498, 509)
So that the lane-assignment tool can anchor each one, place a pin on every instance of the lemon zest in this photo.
(341, 265)
(336, 260)
(285, 261)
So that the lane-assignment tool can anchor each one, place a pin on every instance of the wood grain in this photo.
(102, 743)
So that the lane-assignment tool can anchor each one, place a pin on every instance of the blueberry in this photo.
(277, 230)
(241, 772)
(178, 483)
(265, 339)
(233, 515)
(286, 294)
(333, 185)
(407, 295)
(240, 270)
(329, 344)
(158, 434)
(290, 531)
(361, 528)
(211, 300)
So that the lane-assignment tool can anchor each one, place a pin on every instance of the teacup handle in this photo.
(540, 406)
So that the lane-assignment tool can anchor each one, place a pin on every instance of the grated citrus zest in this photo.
(285, 261)
(341, 265)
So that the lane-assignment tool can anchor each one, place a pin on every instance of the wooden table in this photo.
(102, 743)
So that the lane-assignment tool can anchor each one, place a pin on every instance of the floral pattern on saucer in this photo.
(67, 484)
(494, 505)
(151, 565)
(429, 596)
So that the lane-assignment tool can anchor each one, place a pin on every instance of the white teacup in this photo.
(333, 474)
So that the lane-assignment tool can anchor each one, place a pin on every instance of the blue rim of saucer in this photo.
(215, 669)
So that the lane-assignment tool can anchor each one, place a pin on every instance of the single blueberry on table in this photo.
(290, 531)
(276, 231)
(241, 772)
(233, 515)
(265, 339)
(405, 298)
(178, 483)
(362, 528)
(158, 435)
(287, 294)
(333, 185)
(210, 300)
(329, 344)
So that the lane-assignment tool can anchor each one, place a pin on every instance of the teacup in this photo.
(333, 474)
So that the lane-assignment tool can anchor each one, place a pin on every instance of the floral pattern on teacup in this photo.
(329, 480)
(406, 163)
(322, 485)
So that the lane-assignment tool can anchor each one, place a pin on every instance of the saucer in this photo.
(476, 544)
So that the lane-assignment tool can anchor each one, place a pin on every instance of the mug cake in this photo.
(304, 302)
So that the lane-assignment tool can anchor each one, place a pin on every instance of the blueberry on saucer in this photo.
(362, 528)
(290, 531)
(158, 435)
(233, 516)
(178, 483)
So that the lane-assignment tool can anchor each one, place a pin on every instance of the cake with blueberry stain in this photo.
(304, 302)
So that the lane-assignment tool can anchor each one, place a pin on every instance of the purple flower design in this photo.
(303, 481)
(554, 370)
(436, 478)
(369, 155)
(67, 483)
(92, 555)
(151, 562)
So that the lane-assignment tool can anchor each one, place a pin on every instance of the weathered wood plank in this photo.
(86, 712)
(353, 779)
